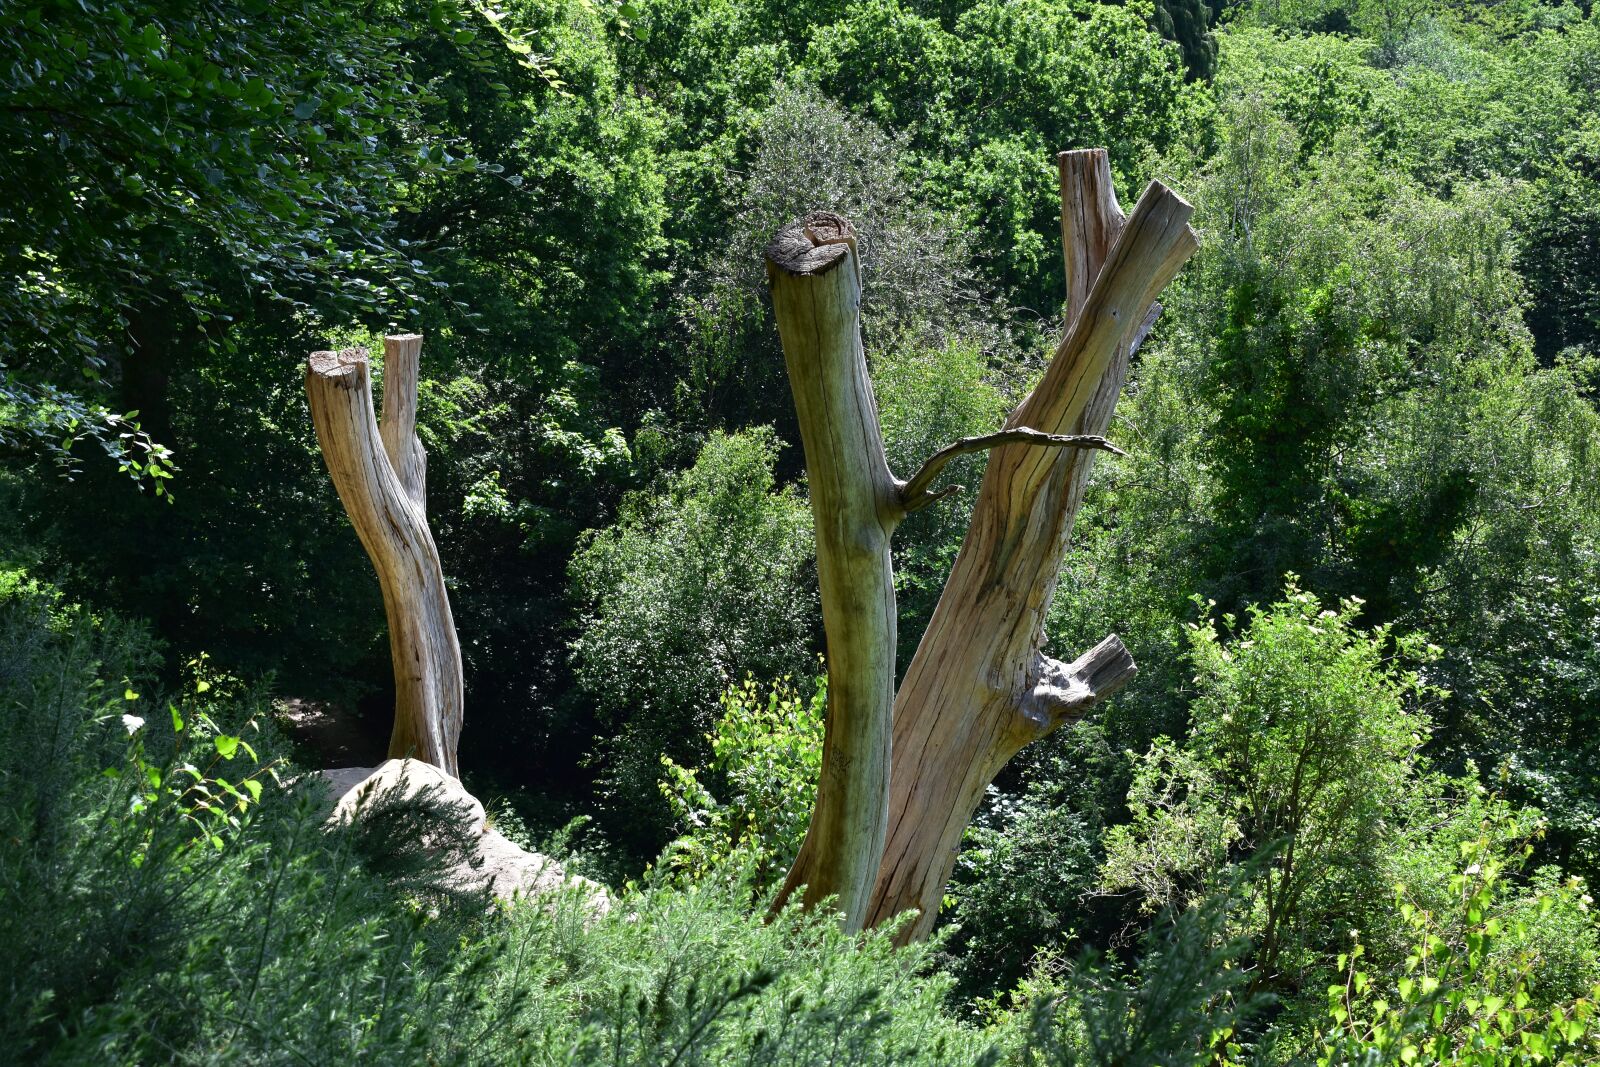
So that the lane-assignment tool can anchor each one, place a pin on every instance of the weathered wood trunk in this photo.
(380, 477)
(979, 688)
(855, 503)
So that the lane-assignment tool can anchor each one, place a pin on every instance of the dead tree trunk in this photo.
(855, 504)
(979, 688)
(380, 474)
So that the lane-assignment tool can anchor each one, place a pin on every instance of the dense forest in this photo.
(1347, 525)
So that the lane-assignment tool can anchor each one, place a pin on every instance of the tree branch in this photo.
(1063, 691)
(402, 356)
(914, 495)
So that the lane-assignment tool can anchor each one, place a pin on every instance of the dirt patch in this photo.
(328, 734)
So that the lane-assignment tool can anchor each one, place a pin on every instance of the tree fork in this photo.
(380, 475)
(815, 278)
(979, 689)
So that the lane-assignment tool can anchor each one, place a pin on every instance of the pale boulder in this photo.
(496, 863)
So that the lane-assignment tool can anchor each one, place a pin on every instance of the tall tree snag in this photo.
(979, 688)
(855, 504)
(380, 477)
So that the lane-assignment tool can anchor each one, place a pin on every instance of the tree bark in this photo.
(402, 368)
(855, 504)
(979, 688)
(380, 478)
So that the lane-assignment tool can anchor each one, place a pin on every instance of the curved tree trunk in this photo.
(380, 478)
(855, 504)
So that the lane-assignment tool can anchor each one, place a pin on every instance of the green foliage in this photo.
(1022, 876)
(809, 154)
(553, 243)
(1323, 325)
(1469, 991)
(1188, 23)
(184, 159)
(1184, 1006)
(705, 581)
(157, 913)
(1179, 831)
(766, 759)
(928, 397)
(1378, 372)
(53, 421)
(988, 100)
(1343, 386)
(1304, 742)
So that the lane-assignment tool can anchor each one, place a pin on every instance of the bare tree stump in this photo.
(979, 688)
(855, 503)
(380, 477)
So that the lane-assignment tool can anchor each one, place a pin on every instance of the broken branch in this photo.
(914, 496)
(1063, 691)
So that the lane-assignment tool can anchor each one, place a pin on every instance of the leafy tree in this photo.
(1363, 364)
(808, 154)
(700, 583)
(1304, 742)
(177, 163)
(520, 403)
(987, 101)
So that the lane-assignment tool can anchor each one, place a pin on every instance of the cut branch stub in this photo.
(379, 478)
(816, 296)
(1064, 692)
(978, 689)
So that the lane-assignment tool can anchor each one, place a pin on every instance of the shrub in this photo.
(766, 758)
(703, 582)
(1183, 1004)
(187, 907)
(1304, 742)
(1469, 991)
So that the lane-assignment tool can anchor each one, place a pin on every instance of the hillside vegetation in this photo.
(1348, 811)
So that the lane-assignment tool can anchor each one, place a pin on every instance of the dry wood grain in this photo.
(379, 475)
(979, 688)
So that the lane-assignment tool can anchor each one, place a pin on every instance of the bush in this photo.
(1304, 745)
(1019, 890)
(703, 582)
(766, 759)
(1182, 1005)
(1470, 989)
(167, 899)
